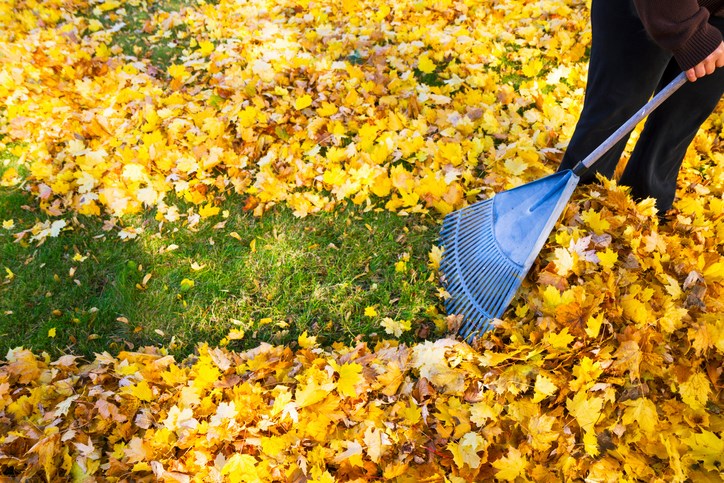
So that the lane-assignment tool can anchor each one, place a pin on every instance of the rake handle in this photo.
(629, 125)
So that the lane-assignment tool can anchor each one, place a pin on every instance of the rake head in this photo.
(490, 246)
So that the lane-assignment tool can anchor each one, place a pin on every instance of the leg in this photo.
(624, 69)
(667, 134)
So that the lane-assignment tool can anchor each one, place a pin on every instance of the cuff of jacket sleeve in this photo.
(698, 47)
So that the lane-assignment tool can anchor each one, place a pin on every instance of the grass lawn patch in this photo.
(270, 279)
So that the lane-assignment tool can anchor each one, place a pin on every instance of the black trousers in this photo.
(626, 68)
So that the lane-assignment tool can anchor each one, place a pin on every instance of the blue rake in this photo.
(489, 246)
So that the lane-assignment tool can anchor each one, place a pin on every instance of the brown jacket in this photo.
(682, 27)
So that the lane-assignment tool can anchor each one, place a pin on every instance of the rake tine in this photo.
(448, 226)
(501, 301)
(457, 255)
(457, 305)
(454, 286)
(471, 236)
(476, 247)
(499, 304)
(467, 214)
(463, 331)
(466, 332)
(475, 327)
(481, 326)
(494, 276)
(480, 267)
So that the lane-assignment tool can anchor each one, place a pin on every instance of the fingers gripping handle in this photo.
(628, 126)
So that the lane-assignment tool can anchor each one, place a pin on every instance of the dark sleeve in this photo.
(680, 26)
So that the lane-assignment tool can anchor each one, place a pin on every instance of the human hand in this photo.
(708, 65)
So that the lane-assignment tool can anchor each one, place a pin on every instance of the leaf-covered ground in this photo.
(607, 367)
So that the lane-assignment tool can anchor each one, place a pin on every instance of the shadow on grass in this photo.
(78, 285)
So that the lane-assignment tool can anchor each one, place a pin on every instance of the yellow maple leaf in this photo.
(544, 387)
(353, 454)
(695, 391)
(394, 470)
(273, 446)
(515, 166)
(391, 380)
(482, 412)
(9, 178)
(706, 447)
(206, 47)
(465, 451)
(235, 334)
(102, 51)
(209, 210)
(327, 109)
(642, 413)
(593, 219)
(142, 391)
(585, 373)
(241, 468)
(178, 72)
(205, 373)
(540, 428)
(382, 185)
(560, 340)
(311, 393)
(565, 261)
(607, 258)
(306, 341)
(375, 440)
(430, 360)
(187, 284)
(350, 375)
(586, 411)
(425, 64)
(435, 257)
(178, 418)
(714, 272)
(335, 175)
(303, 102)
(411, 413)
(590, 443)
(511, 466)
(673, 317)
(672, 451)
(396, 327)
(532, 68)
(371, 312)
(636, 310)
(138, 450)
(628, 358)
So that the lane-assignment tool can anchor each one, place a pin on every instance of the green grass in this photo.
(135, 31)
(273, 277)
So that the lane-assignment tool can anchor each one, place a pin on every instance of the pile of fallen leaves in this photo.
(410, 106)
(608, 366)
